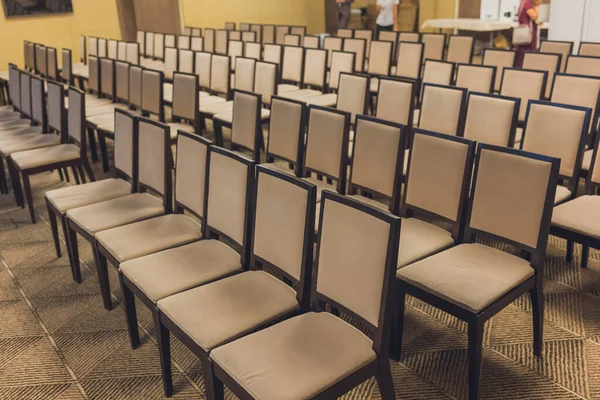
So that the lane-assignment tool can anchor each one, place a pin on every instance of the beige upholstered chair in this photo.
(230, 26)
(311, 42)
(121, 50)
(170, 40)
(41, 60)
(358, 47)
(368, 237)
(273, 53)
(152, 94)
(298, 30)
(326, 151)
(396, 101)
(565, 49)
(377, 155)
(93, 46)
(460, 49)
(257, 29)
(291, 40)
(345, 33)
(437, 72)
(209, 40)
(390, 36)
(184, 42)
(331, 44)
(203, 66)
(112, 49)
(340, 62)
(367, 35)
(159, 46)
(235, 35)
(185, 61)
(149, 53)
(196, 32)
(253, 50)
(543, 62)
(410, 60)
(280, 32)
(353, 95)
(71, 153)
(141, 40)
(221, 41)
(558, 130)
(66, 73)
(123, 182)
(500, 59)
(171, 63)
(525, 85)
(443, 109)
(589, 49)
(314, 78)
(133, 54)
(102, 47)
(185, 115)
(245, 124)
(286, 135)
(197, 43)
(292, 69)
(154, 170)
(187, 30)
(472, 281)
(435, 43)
(583, 65)
(575, 220)
(491, 119)
(414, 37)
(52, 71)
(380, 62)
(476, 78)
(220, 82)
(268, 34)
(243, 297)
(234, 50)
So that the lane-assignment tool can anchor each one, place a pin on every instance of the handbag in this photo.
(523, 34)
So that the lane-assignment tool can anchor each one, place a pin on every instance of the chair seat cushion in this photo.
(45, 156)
(227, 117)
(168, 272)
(206, 101)
(301, 94)
(471, 276)
(14, 123)
(177, 126)
(217, 108)
(4, 75)
(221, 311)
(149, 236)
(418, 240)
(103, 110)
(120, 211)
(321, 185)
(82, 71)
(297, 358)
(362, 199)
(587, 160)
(326, 100)
(562, 194)
(581, 215)
(101, 119)
(93, 101)
(285, 87)
(69, 197)
(20, 131)
(28, 142)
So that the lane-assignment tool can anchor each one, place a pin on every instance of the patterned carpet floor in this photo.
(57, 341)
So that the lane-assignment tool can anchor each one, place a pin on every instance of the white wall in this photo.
(591, 28)
(567, 18)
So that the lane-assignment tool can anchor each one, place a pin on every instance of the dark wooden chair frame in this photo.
(515, 117)
(533, 285)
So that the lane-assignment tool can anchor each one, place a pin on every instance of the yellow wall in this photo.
(435, 9)
(211, 14)
(90, 17)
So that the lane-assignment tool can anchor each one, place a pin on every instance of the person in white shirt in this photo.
(387, 15)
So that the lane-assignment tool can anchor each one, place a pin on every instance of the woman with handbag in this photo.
(525, 37)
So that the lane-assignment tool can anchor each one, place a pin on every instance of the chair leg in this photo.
(102, 267)
(15, 180)
(3, 182)
(570, 248)
(130, 313)
(29, 195)
(537, 304)
(66, 173)
(73, 252)
(214, 388)
(92, 142)
(54, 227)
(103, 151)
(218, 133)
(75, 175)
(475, 357)
(81, 173)
(60, 175)
(585, 255)
(385, 381)
(164, 349)
(88, 170)
(398, 324)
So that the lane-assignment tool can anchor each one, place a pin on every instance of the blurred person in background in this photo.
(344, 11)
(387, 15)
(529, 13)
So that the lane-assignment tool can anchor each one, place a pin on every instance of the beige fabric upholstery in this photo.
(186, 61)
(577, 91)
(437, 166)
(135, 86)
(280, 32)
(246, 107)
(133, 53)
(149, 43)
(500, 59)
(95, 113)
(235, 50)
(489, 119)
(460, 49)
(229, 308)
(293, 59)
(414, 37)
(171, 56)
(94, 74)
(209, 40)
(175, 127)
(202, 69)
(227, 196)
(441, 109)
(151, 84)
(284, 129)
(376, 148)
(326, 100)
(579, 215)
(352, 245)
(150, 236)
(191, 173)
(75, 124)
(159, 46)
(434, 46)
(20, 131)
(556, 47)
(248, 36)
(475, 78)
(244, 75)
(555, 131)
(331, 44)
(380, 58)
(324, 146)
(168, 272)
(272, 53)
(436, 72)
(356, 46)
(501, 205)
(587, 161)
(45, 156)
(183, 41)
(291, 40)
(152, 155)
(471, 276)
(122, 73)
(583, 66)
(562, 194)
(367, 35)
(311, 42)
(116, 212)
(252, 50)
(185, 96)
(281, 209)
(341, 62)
(344, 33)
(352, 94)
(221, 39)
(27, 142)
(107, 74)
(227, 116)
(265, 79)
(543, 62)
(70, 197)
(314, 67)
(409, 60)
(197, 44)
(219, 79)
(419, 240)
(589, 49)
(357, 197)
(526, 85)
(298, 358)
(217, 107)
